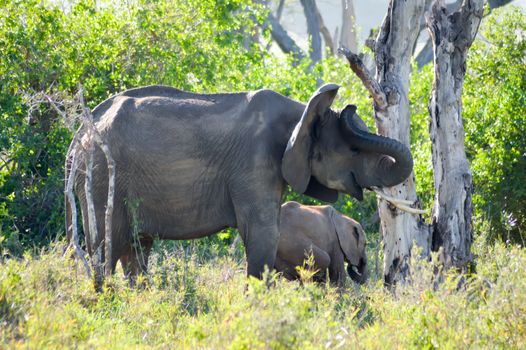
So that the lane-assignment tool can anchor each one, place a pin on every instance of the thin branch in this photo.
(33, 100)
(359, 68)
(81, 254)
(324, 30)
(108, 219)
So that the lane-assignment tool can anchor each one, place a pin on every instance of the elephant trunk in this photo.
(360, 276)
(396, 162)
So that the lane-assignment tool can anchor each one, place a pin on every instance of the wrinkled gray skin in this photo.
(331, 237)
(189, 165)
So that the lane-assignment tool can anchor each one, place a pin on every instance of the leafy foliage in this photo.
(109, 48)
(205, 46)
(495, 122)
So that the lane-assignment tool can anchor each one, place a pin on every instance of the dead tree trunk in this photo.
(425, 55)
(348, 34)
(452, 35)
(313, 27)
(393, 48)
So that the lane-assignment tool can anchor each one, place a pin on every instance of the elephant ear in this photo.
(348, 237)
(295, 166)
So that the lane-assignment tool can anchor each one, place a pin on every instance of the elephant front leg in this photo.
(260, 234)
(337, 270)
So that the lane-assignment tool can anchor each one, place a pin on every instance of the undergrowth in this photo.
(193, 300)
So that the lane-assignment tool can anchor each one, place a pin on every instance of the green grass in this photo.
(195, 300)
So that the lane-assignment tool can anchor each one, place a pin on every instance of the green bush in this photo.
(119, 45)
(108, 49)
(191, 302)
(495, 124)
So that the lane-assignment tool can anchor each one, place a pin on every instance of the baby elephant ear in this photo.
(349, 234)
(295, 166)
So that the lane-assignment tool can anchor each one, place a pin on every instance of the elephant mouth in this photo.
(355, 189)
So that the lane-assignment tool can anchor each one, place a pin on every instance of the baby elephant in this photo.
(328, 235)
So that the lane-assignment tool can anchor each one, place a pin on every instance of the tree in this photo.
(425, 55)
(315, 27)
(348, 37)
(452, 35)
(393, 50)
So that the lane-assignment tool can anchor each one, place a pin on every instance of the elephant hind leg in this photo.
(135, 260)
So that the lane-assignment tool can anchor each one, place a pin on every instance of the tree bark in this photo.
(348, 37)
(452, 35)
(313, 28)
(393, 50)
(279, 10)
(95, 137)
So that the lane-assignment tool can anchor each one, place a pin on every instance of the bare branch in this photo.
(108, 219)
(425, 55)
(324, 31)
(359, 68)
(70, 198)
(68, 114)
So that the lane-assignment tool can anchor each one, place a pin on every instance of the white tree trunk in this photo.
(452, 36)
(393, 49)
(313, 28)
(348, 36)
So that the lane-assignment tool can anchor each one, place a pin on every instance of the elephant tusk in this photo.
(409, 209)
(402, 204)
(391, 199)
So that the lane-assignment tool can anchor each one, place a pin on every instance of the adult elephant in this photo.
(189, 165)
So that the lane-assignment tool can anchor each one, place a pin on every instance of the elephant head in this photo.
(330, 152)
(351, 239)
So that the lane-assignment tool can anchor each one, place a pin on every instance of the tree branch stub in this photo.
(370, 83)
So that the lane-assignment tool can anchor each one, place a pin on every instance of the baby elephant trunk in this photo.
(358, 273)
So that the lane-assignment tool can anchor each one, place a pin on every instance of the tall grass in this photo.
(193, 299)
